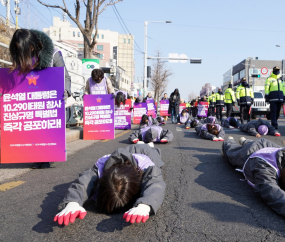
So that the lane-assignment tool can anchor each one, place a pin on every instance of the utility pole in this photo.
(17, 11)
(8, 12)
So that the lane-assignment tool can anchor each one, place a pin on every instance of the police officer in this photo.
(274, 94)
(220, 98)
(244, 97)
(188, 106)
(230, 100)
(212, 104)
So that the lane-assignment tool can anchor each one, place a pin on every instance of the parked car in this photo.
(259, 107)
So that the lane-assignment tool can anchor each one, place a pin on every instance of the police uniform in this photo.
(230, 100)
(188, 106)
(244, 95)
(275, 94)
(219, 105)
(212, 104)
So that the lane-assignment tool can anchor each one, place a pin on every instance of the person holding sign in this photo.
(150, 134)
(33, 49)
(129, 177)
(258, 128)
(99, 84)
(211, 132)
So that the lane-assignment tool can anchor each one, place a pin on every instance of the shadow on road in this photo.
(49, 209)
(113, 223)
(219, 176)
(199, 149)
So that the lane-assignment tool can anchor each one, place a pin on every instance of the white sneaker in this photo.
(215, 139)
(230, 137)
(231, 127)
(241, 140)
(151, 144)
(140, 142)
(221, 139)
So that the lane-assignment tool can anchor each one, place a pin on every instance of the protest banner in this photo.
(33, 116)
(139, 110)
(98, 117)
(164, 106)
(181, 107)
(151, 109)
(123, 119)
(203, 109)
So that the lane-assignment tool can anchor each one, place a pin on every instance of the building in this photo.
(110, 44)
(206, 89)
(250, 66)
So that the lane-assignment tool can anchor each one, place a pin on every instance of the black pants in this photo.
(219, 109)
(275, 108)
(211, 111)
(194, 112)
(244, 110)
(229, 109)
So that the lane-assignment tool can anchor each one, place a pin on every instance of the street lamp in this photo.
(145, 51)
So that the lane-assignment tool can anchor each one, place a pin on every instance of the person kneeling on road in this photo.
(258, 128)
(147, 121)
(183, 118)
(129, 177)
(262, 163)
(160, 120)
(211, 131)
(154, 134)
(231, 123)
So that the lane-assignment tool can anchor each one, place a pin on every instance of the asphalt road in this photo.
(204, 201)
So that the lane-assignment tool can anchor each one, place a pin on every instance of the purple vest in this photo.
(157, 128)
(204, 127)
(98, 88)
(125, 93)
(183, 119)
(269, 156)
(218, 127)
(149, 121)
(143, 162)
(212, 119)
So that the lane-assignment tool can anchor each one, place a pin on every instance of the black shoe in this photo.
(45, 165)
(37, 165)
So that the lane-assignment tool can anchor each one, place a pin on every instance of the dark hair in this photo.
(24, 49)
(97, 75)
(282, 178)
(144, 119)
(119, 187)
(212, 129)
(193, 123)
(184, 111)
(158, 119)
(233, 122)
(120, 98)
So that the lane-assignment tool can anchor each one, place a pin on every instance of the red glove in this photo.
(163, 141)
(137, 214)
(135, 141)
(71, 212)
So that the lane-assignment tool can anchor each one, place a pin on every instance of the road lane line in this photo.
(118, 135)
(9, 185)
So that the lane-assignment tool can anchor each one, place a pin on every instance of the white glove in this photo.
(137, 214)
(231, 127)
(215, 139)
(140, 142)
(72, 211)
(151, 144)
(221, 139)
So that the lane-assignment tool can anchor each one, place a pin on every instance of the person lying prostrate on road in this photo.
(262, 163)
(153, 133)
(147, 121)
(258, 128)
(210, 120)
(121, 97)
(129, 177)
(194, 122)
(213, 132)
(183, 117)
(231, 123)
(160, 120)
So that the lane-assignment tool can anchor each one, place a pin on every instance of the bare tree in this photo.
(191, 96)
(93, 9)
(160, 77)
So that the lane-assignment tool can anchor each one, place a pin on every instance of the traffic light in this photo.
(255, 75)
(148, 72)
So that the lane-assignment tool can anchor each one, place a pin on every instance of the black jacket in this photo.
(252, 127)
(174, 102)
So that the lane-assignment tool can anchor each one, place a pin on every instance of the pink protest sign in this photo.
(203, 109)
(98, 117)
(139, 110)
(151, 109)
(164, 106)
(181, 107)
(123, 118)
(33, 116)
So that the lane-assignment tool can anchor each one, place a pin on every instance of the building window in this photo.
(81, 45)
(124, 41)
(129, 41)
(102, 36)
(78, 34)
(97, 36)
(73, 33)
(100, 47)
(93, 36)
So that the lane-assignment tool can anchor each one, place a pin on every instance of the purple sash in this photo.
(157, 128)
(183, 119)
(98, 88)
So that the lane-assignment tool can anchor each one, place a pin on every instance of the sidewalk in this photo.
(74, 143)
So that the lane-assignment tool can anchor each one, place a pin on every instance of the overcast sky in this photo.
(222, 32)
